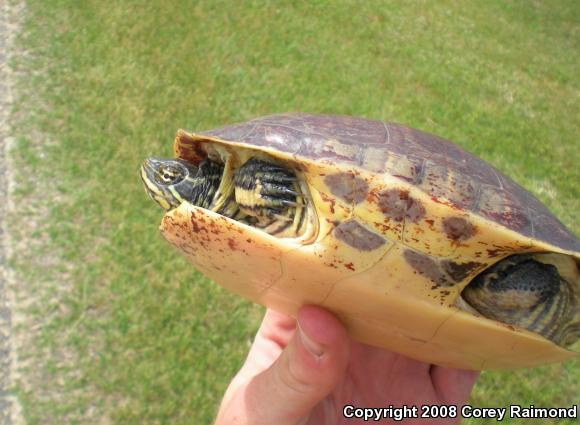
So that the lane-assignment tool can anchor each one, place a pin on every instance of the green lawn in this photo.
(123, 327)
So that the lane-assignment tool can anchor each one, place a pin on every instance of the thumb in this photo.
(309, 368)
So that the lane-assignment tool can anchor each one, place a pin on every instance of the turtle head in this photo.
(168, 181)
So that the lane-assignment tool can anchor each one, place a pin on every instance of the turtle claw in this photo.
(278, 190)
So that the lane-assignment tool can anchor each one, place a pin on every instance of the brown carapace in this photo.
(415, 244)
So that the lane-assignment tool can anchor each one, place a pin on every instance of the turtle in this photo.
(413, 243)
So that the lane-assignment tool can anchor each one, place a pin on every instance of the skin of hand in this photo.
(304, 371)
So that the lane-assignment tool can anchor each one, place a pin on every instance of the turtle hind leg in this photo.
(524, 292)
(267, 191)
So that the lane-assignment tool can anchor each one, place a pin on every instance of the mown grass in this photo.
(107, 83)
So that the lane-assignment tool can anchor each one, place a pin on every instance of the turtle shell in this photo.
(405, 221)
(436, 166)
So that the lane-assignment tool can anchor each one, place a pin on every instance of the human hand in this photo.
(303, 372)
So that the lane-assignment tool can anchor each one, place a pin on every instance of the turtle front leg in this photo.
(267, 192)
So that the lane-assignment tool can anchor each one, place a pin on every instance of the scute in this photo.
(357, 236)
(434, 165)
(347, 187)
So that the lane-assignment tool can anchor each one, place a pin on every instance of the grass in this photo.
(125, 329)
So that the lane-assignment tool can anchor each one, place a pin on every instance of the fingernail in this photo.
(316, 349)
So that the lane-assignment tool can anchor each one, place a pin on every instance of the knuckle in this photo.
(290, 376)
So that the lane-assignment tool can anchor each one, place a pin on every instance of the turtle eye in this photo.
(169, 174)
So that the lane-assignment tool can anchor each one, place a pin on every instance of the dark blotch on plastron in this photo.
(428, 267)
(458, 229)
(356, 235)
(459, 271)
(398, 205)
(347, 186)
(415, 210)
(392, 205)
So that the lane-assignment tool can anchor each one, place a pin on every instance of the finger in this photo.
(453, 385)
(272, 337)
(277, 327)
(308, 369)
